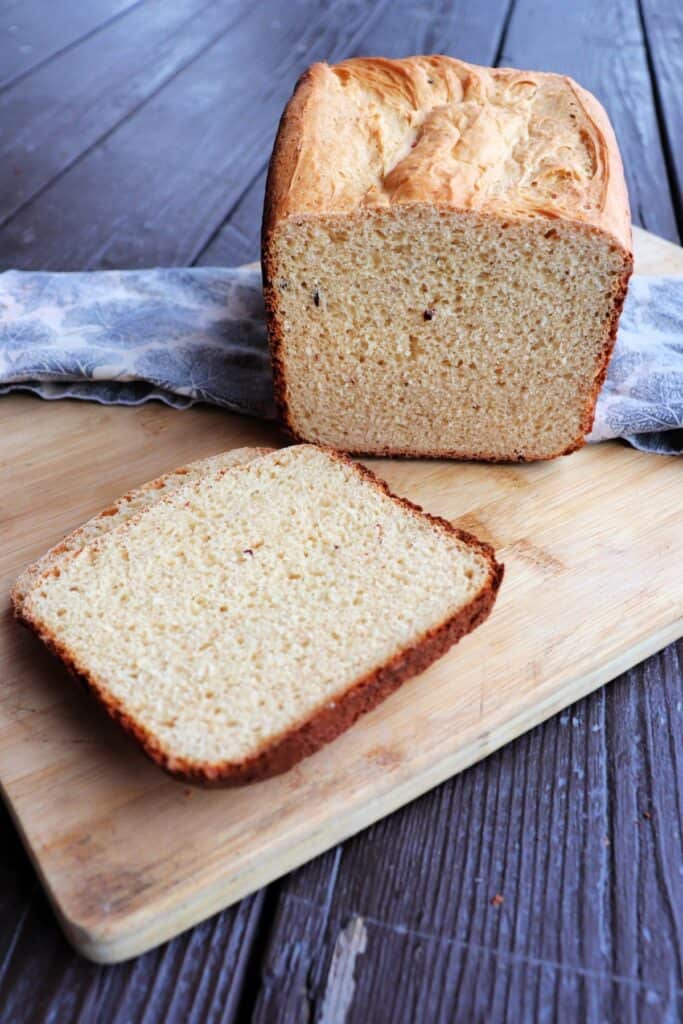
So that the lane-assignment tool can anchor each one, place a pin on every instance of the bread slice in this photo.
(125, 508)
(446, 251)
(247, 617)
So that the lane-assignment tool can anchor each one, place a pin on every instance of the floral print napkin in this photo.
(198, 335)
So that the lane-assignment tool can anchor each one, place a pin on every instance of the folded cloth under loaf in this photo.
(186, 335)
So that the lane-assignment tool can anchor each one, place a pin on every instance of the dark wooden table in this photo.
(545, 883)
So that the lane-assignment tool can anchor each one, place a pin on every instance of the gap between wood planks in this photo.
(251, 986)
(70, 45)
(503, 33)
(201, 249)
(667, 149)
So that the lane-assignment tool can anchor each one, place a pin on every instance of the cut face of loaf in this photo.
(249, 616)
(446, 253)
(429, 332)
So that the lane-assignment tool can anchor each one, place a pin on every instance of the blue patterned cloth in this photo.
(197, 335)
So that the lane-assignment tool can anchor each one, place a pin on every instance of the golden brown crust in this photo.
(579, 158)
(370, 133)
(280, 172)
(275, 337)
(610, 341)
(325, 724)
(615, 215)
(287, 148)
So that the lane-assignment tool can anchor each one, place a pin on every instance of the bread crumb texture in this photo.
(126, 507)
(446, 253)
(233, 609)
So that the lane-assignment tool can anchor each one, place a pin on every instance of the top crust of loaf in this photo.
(370, 133)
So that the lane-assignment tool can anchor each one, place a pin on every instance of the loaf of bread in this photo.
(446, 251)
(238, 621)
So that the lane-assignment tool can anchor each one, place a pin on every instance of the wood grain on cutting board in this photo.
(592, 546)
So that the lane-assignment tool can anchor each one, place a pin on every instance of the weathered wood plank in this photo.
(238, 239)
(577, 826)
(89, 96)
(32, 31)
(604, 50)
(469, 31)
(196, 978)
(663, 25)
(154, 191)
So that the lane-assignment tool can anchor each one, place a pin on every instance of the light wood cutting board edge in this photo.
(144, 931)
(148, 927)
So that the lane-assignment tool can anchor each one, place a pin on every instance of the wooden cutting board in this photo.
(593, 547)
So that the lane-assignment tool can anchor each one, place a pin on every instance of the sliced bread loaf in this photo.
(250, 615)
(125, 508)
(446, 250)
